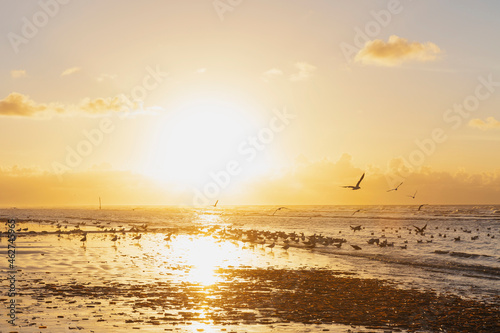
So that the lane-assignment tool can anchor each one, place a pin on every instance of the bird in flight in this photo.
(396, 188)
(420, 230)
(356, 187)
(280, 208)
(413, 196)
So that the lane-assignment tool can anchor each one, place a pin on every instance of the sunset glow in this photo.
(255, 103)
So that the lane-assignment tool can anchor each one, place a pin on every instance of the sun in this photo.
(195, 140)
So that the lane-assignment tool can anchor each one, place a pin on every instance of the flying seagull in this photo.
(420, 230)
(396, 188)
(280, 208)
(357, 185)
(413, 196)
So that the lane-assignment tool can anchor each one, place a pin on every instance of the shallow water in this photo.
(469, 268)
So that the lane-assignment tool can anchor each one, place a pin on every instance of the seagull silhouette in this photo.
(280, 208)
(396, 188)
(420, 230)
(356, 228)
(420, 207)
(356, 187)
(413, 196)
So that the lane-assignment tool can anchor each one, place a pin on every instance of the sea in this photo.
(458, 251)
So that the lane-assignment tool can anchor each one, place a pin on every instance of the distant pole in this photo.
(99, 202)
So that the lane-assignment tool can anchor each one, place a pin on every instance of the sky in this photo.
(249, 102)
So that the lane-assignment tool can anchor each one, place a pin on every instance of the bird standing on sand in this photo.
(84, 239)
(356, 228)
(271, 245)
(114, 239)
(396, 188)
(356, 187)
(138, 237)
(286, 247)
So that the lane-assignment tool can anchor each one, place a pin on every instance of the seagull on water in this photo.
(396, 188)
(356, 187)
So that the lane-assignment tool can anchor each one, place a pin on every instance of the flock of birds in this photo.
(357, 187)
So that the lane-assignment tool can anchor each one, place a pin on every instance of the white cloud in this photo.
(304, 73)
(16, 74)
(70, 71)
(490, 123)
(396, 51)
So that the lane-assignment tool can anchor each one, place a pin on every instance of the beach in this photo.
(202, 271)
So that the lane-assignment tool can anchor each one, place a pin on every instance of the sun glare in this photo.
(196, 140)
(202, 256)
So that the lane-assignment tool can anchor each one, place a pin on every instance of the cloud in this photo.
(305, 71)
(70, 71)
(273, 72)
(396, 51)
(17, 104)
(490, 123)
(319, 182)
(16, 74)
(102, 105)
(105, 76)
(33, 187)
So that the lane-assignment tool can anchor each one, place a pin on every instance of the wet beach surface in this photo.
(203, 279)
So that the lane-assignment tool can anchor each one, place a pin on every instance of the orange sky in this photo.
(282, 102)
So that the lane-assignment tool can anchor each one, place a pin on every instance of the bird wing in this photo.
(348, 186)
(360, 179)
(399, 185)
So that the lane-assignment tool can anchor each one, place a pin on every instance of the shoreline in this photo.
(269, 297)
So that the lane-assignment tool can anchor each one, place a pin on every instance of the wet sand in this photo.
(147, 284)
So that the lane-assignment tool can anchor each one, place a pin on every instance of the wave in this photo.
(479, 271)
